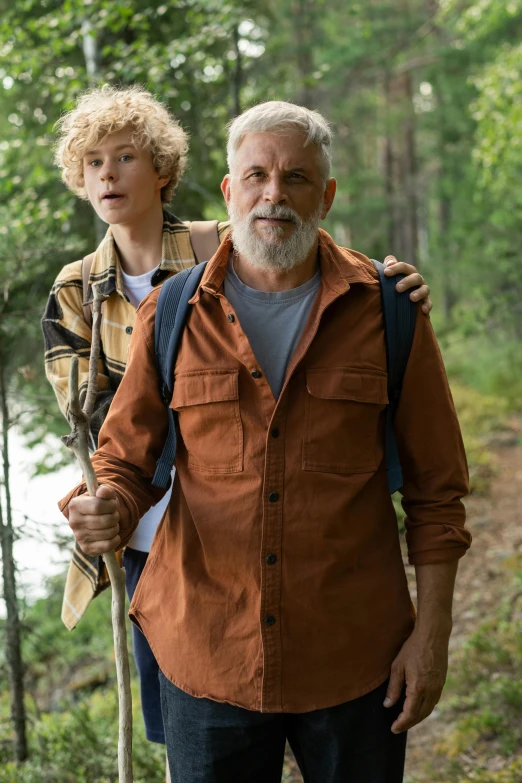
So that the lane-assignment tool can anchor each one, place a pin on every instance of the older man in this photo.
(274, 597)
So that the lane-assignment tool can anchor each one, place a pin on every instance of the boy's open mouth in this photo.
(111, 196)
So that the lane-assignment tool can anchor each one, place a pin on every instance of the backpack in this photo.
(399, 314)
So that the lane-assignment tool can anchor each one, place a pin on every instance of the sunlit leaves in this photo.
(498, 113)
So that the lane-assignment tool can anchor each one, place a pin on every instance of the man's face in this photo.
(121, 181)
(276, 196)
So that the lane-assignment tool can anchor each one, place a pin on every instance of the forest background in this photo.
(426, 101)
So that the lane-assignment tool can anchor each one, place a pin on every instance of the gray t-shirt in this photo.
(273, 322)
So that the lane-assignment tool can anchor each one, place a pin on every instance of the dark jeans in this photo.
(134, 563)
(209, 742)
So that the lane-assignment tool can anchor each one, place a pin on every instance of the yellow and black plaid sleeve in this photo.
(66, 334)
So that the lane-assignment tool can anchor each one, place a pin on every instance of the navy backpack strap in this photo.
(399, 314)
(171, 315)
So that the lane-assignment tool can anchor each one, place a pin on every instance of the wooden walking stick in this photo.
(78, 441)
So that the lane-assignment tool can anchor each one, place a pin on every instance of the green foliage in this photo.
(78, 745)
(484, 710)
(498, 113)
(491, 365)
(479, 415)
(72, 700)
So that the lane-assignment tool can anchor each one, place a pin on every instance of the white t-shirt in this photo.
(137, 287)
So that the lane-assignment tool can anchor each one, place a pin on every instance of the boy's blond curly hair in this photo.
(110, 109)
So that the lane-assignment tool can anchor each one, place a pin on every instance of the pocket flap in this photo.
(198, 388)
(340, 384)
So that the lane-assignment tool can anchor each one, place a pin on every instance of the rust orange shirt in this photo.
(275, 581)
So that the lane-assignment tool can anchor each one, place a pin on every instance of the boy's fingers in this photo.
(414, 280)
(420, 293)
(401, 268)
(389, 261)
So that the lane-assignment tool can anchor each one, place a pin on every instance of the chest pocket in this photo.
(207, 404)
(344, 429)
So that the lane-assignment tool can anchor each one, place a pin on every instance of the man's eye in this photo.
(257, 174)
(295, 175)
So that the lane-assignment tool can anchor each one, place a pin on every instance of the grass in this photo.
(484, 709)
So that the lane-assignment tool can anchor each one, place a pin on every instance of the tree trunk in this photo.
(303, 12)
(410, 172)
(91, 54)
(401, 167)
(393, 222)
(444, 249)
(236, 81)
(13, 633)
(444, 224)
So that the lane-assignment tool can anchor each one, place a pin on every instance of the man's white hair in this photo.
(281, 117)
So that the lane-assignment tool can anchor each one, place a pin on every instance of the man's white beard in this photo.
(265, 247)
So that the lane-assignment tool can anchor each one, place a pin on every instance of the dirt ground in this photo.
(495, 522)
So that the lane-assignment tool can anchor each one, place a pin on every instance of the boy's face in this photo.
(121, 181)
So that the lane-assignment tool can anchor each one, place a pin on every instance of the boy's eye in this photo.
(125, 158)
(94, 163)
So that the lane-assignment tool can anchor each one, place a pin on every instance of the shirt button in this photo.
(257, 374)
(128, 330)
(273, 497)
(275, 432)
(231, 318)
(271, 559)
(270, 620)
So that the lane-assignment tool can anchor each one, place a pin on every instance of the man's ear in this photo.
(329, 195)
(225, 188)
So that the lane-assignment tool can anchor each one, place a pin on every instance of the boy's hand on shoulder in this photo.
(95, 521)
(412, 280)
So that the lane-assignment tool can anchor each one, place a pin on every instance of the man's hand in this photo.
(412, 280)
(95, 521)
(423, 659)
(423, 664)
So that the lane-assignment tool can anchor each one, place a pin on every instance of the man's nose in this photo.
(275, 191)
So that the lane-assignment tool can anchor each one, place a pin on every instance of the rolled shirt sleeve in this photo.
(132, 437)
(432, 456)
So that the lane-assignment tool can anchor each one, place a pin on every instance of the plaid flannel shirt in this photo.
(67, 334)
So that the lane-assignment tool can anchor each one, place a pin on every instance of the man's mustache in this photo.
(274, 211)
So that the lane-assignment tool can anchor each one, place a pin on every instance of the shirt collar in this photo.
(340, 267)
(106, 266)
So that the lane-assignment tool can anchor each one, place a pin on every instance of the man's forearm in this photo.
(435, 586)
(423, 660)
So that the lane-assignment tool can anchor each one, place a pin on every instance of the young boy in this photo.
(121, 150)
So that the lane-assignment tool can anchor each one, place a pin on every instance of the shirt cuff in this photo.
(430, 544)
